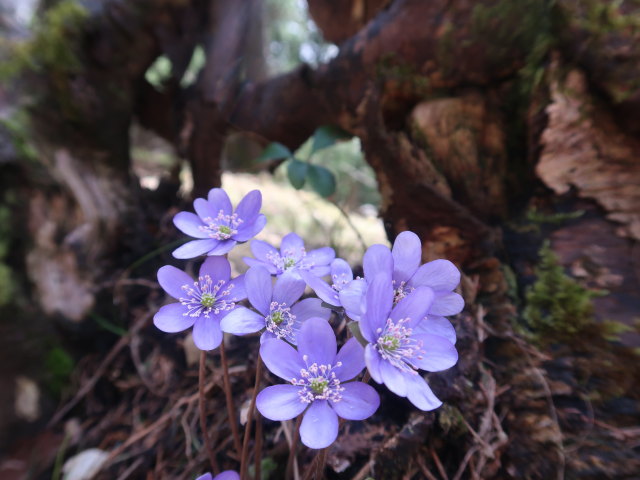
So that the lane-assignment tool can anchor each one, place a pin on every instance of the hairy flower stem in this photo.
(315, 471)
(258, 449)
(203, 414)
(244, 458)
(230, 410)
(293, 448)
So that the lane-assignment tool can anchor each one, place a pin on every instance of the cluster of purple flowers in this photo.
(399, 307)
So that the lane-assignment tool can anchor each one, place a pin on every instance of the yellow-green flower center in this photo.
(318, 385)
(207, 300)
(224, 229)
(277, 318)
(289, 262)
(390, 342)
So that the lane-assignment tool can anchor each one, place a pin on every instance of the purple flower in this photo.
(226, 475)
(292, 257)
(217, 226)
(279, 314)
(341, 275)
(395, 351)
(202, 304)
(402, 263)
(316, 375)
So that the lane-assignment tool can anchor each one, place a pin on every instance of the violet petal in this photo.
(280, 402)
(414, 306)
(393, 378)
(317, 342)
(379, 303)
(248, 231)
(189, 223)
(420, 394)
(438, 274)
(440, 353)
(172, 279)
(377, 259)
(281, 359)
(242, 321)
(436, 325)
(218, 268)
(351, 355)
(249, 206)
(257, 281)
(407, 253)
(319, 427)
(195, 248)
(288, 289)
(206, 333)
(359, 401)
(444, 304)
(171, 318)
(219, 200)
(373, 360)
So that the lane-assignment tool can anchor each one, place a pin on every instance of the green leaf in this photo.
(327, 135)
(274, 151)
(297, 172)
(322, 180)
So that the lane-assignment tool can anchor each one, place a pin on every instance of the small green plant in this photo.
(557, 306)
(300, 172)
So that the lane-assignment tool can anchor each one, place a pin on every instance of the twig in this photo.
(228, 396)
(425, 471)
(131, 469)
(438, 463)
(293, 446)
(203, 414)
(364, 472)
(316, 469)
(102, 368)
(244, 458)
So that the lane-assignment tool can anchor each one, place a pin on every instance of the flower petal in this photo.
(205, 210)
(238, 291)
(250, 230)
(224, 246)
(414, 306)
(206, 476)
(219, 200)
(351, 356)
(373, 360)
(249, 206)
(189, 223)
(317, 341)
(377, 259)
(320, 256)
(419, 393)
(263, 251)
(288, 289)
(281, 359)
(440, 353)
(171, 318)
(308, 308)
(436, 325)
(320, 271)
(218, 268)
(352, 297)
(448, 303)
(252, 262)
(257, 281)
(407, 253)
(195, 248)
(227, 475)
(292, 246)
(319, 427)
(241, 321)
(172, 279)
(359, 401)
(280, 402)
(439, 275)
(379, 303)
(322, 288)
(206, 333)
(393, 378)
(341, 273)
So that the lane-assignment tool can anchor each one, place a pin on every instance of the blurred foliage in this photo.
(49, 48)
(58, 367)
(557, 307)
(292, 37)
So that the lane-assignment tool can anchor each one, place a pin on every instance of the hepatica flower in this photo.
(341, 275)
(291, 258)
(226, 475)
(201, 303)
(395, 351)
(216, 226)
(279, 313)
(318, 386)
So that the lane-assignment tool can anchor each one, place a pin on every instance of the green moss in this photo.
(557, 307)
(50, 48)
(605, 17)
(58, 366)
(391, 68)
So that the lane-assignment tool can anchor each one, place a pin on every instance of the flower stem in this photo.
(293, 448)
(230, 410)
(244, 458)
(258, 449)
(315, 471)
(203, 415)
